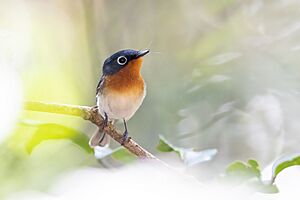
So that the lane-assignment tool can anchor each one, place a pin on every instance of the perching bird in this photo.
(120, 91)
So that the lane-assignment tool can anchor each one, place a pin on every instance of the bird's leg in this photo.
(125, 134)
(105, 116)
(105, 120)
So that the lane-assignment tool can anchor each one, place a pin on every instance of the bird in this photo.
(120, 91)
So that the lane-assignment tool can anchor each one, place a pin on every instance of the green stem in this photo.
(91, 114)
(80, 111)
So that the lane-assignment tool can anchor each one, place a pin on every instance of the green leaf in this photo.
(123, 155)
(242, 170)
(267, 188)
(283, 163)
(253, 164)
(192, 157)
(54, 132)
(248, 173)
(163, 145)
(189, 156)
(120, 154)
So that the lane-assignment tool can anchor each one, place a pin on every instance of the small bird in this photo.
(120, 91)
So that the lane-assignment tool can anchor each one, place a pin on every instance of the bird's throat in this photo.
(128, 80)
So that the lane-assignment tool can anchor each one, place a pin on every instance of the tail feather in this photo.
(99, 139)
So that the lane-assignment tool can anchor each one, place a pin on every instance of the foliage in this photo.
(248, 173)
(283, 163)
(189, 156)
(123, 155)
(46, 132)
(244, 170)
(209, 58)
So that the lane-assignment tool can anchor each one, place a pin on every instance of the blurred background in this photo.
(222, 74)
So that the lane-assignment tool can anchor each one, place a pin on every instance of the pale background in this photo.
(222, 74)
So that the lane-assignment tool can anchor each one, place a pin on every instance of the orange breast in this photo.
(127, 81)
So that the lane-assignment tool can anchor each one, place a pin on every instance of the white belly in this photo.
(118, 106)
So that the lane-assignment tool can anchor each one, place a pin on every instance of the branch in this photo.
(91, 114)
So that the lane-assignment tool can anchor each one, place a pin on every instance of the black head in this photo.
(120, 59)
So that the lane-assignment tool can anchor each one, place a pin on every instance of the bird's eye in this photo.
(122, 60)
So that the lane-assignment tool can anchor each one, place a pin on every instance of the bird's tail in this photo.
(99, 138)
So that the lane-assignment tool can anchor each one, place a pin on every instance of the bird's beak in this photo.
(141, 53)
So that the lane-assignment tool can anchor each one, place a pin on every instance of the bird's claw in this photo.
(105, 120)
(124, 137)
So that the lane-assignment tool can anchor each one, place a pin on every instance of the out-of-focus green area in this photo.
(222, 74)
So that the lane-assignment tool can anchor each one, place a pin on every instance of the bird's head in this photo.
(122, 59)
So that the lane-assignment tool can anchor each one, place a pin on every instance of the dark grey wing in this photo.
(99, 138)
(100, 86)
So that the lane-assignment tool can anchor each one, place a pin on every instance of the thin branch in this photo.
(91, 114)
(80, 111)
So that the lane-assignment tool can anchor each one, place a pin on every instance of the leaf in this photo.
(102, 152)
(163, 145)
(189, 156)
(192, 157)
(55, 132)
(266, 188)
(123, 155)
(166, 146)
(283, 163)
(248, 173)
(120, 154)
(244, 170)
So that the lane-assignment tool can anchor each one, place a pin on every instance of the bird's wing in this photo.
(100, 86)
(99, 138)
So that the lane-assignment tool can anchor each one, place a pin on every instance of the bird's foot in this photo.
(124, 137)
(105, 121)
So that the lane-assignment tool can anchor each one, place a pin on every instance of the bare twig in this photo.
(91, 114)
